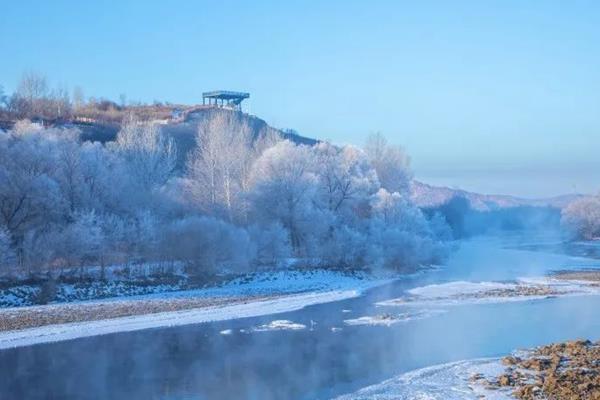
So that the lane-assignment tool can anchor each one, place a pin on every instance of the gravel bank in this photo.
(37, 316)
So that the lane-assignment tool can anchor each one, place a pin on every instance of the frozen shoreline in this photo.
(269, 294)
(449, 381)
(559, 370)
(69, 331)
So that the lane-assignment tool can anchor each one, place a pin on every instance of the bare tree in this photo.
(32, 91)
(78, 98)
(3, 97)
(59, 104)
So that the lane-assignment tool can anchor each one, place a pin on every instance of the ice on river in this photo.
(463, 292)
(279, 325)
(389, 319)
(441, 382)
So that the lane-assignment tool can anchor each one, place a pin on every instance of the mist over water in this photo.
(197, 362)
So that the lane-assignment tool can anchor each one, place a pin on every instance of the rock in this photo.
(505, 380)
(511, 360)
(565, 371)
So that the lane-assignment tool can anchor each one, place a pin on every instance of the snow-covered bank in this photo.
(56, 333)
(261, 294)
(441, 382)
(261, 283)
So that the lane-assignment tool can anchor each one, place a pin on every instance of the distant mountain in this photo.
(425, 195)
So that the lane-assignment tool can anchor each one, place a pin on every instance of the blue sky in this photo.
(491, 96)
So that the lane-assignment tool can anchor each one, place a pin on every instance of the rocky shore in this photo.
(565, 371)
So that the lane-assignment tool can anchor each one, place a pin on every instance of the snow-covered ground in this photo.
(256, 284)
(287, 281)
(292, 290)
(441, 382)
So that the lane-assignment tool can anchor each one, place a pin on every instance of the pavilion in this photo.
(225, 98)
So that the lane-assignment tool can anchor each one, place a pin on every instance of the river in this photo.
(199, 362)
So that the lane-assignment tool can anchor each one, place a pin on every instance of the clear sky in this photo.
(491, 96)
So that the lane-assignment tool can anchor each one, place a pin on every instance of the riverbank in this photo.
(568, 370)
(264, 294)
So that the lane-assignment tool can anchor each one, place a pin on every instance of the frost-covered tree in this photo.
(391, 163)
(29, 194)
(272, 243)
(206, 243)
(7, 253)
(82, 241)
(400, 235)
(150, 157)
(218, 170)
(581, 218)
(395, 209)
(346, 178)
(283, 188)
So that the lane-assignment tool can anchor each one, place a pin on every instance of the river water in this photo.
(198, 362)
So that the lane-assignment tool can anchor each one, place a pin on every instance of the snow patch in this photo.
(279, 325)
